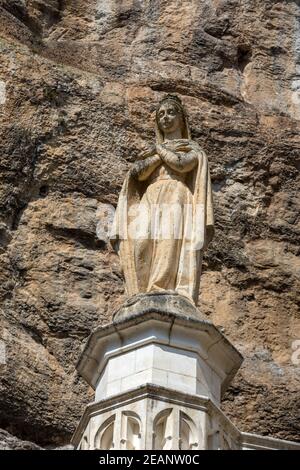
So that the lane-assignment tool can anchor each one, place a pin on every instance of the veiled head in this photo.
(170, 116)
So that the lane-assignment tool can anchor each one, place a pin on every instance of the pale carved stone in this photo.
(164, 218)
(159, 378)
(166, 349)
(157, 418)
(159, 369)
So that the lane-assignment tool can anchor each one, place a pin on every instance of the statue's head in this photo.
(170, 116)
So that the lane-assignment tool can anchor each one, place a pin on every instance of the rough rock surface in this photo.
(78, 85)
(9, 442)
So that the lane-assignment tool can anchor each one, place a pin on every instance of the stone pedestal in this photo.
(159, 371)
(167, 350)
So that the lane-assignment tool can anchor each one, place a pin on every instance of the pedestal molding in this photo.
(198, 336)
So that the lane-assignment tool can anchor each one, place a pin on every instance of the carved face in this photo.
(169, 117)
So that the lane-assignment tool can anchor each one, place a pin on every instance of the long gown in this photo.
(162, 258)
(153, 261)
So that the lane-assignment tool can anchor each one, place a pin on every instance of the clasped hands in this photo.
(178, 145)
(155, 154)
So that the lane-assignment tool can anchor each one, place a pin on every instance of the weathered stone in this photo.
(76, 82)
(171, 328)
(169, 191)
(158, 302)
(9, 442)
(159, 378)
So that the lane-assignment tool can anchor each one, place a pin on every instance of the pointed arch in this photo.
(133, 430)
(162, 430)
(104, 438)
(188, 432)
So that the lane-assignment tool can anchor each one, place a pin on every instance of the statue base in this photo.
(164, 302)
(159, 371)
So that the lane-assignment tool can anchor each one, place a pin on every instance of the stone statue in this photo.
(164, 218)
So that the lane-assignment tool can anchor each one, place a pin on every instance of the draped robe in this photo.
(161, 249)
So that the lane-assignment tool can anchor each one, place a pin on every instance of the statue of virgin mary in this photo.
(164, 218)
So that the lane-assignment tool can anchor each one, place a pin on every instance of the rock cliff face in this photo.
(78, 85)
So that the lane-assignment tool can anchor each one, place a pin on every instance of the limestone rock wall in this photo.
(79, 81)
(9, 442)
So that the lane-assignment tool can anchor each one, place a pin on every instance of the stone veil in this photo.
(174, 174)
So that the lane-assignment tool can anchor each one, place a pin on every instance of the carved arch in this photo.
(104, 438)
(133, 430)
(84, 443)
(189, 435)
(163, 430)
